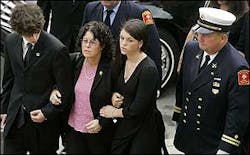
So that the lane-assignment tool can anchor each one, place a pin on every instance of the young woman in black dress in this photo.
(140, 128)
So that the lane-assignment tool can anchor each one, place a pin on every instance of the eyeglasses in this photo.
(90, 42)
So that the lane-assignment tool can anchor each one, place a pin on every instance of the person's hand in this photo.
(37, 116)
(3, 120)
(93, 126)
(221, 152)
(117, 100)
(55, 97)
(107, 111)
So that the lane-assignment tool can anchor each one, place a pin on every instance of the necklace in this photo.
(89, 76)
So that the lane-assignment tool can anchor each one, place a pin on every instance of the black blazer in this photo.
(128, 10)
(31, 85)
(102, 88)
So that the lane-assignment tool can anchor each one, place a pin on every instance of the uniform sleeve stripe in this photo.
(231, 139)
(230, 142)
(177, 108)
(177, 111)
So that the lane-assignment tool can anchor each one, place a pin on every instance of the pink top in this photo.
(81, 112)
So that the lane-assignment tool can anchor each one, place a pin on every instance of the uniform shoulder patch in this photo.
(243, 77)
(147, 17)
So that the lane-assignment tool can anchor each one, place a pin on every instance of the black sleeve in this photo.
(63, 74)
(237, 116)
(154, 46)
(179, 91)
(7, 82)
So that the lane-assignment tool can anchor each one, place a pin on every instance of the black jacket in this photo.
(31, 85)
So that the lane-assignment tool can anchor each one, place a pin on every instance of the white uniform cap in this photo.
(212, 19)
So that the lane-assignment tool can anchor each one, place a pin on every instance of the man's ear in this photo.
(224, 37)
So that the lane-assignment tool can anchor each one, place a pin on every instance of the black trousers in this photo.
(31, 137)
(85, 143)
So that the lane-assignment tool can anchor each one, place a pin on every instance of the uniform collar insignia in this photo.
(214, 65)
(198, 57)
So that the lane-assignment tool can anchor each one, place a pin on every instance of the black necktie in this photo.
(205, 63)
(107, 19)
(28, 54)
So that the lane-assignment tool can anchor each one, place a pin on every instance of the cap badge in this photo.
(202, 17)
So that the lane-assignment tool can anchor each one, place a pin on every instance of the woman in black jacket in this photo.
(88, 132)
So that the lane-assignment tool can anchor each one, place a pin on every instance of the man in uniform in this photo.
(212, 93)
(115, 13)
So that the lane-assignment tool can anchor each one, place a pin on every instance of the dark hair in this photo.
(102, 33)
(27, 19)
(138, 30)
(238, 8)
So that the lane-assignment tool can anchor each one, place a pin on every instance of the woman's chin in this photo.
(123, 53)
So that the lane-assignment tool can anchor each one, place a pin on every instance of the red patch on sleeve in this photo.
(147, 17)
(243, 77)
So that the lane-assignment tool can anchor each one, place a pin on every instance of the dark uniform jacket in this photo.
(128, 10)
(31, 86)
(212, 107)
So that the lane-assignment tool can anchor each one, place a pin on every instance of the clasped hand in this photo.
(117, 100)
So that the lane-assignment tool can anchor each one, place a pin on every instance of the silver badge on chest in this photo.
(215, 91)
(216, 86)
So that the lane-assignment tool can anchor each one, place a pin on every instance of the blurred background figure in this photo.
(243, 42)
(240, 9)
(181, 14)
(63, 19)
